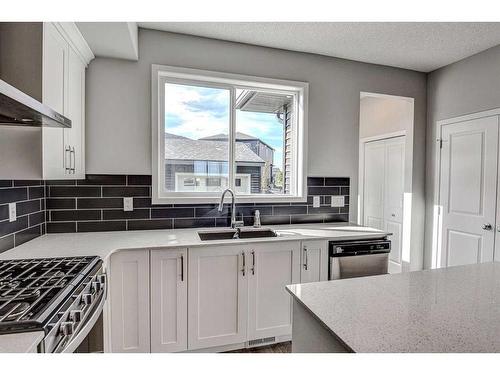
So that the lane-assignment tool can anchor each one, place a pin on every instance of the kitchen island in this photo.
(454, 309)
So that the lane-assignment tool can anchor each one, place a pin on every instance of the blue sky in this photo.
(197, 112)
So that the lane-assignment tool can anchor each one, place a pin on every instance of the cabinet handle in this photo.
(253, 262)
(243, 262)
(67, 152)
(182, 267)
(305, 258)
(72, 159)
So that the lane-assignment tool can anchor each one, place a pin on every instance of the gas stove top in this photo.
(33, 292)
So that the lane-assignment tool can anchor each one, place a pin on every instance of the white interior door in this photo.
(383, 189)
(468, 188)
(393, 198)
(373, 191)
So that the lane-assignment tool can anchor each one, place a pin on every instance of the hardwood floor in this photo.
(282, 347)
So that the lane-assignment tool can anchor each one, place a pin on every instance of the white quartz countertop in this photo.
(25, 342)
(103, 244)
(454, 309)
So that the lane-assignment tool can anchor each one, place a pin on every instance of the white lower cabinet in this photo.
(168, 300)
(182, 299)
(129, 302)
(271, 268)
(314, 261)
(217, 296)
(237, 293)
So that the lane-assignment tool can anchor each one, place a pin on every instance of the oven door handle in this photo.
(76, 340)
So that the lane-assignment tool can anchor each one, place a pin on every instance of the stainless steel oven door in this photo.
(77, 316)
(346, 267)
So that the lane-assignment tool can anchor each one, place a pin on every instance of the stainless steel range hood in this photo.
(19, 109)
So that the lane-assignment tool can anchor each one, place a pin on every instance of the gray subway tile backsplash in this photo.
(29, 197)
(96, 204)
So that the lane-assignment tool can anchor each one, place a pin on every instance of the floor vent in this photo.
(264, 341)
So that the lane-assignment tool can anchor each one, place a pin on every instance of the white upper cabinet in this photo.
(314, 261)
(168, 300)
(271, 268)
(54, 88)
(65, 57)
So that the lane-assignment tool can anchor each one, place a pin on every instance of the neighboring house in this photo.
(262, 149)
(282, 106)
(201, 165)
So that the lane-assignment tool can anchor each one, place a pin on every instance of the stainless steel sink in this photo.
(256, 233)
(229, 234)
(225, 234)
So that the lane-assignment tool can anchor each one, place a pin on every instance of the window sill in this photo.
(238, 199)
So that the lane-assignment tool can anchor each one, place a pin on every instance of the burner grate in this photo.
(31, 287)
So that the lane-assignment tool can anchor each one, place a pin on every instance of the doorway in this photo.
(385, 171)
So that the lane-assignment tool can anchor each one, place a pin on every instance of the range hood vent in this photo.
(19, 109)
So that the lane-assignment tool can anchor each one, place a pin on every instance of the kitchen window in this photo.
(213, 131)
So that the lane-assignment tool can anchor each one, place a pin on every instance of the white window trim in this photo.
(162, 72)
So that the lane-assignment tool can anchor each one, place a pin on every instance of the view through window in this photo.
(197, 126)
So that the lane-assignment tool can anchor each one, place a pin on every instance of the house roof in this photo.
(182, 148)
(239, 137)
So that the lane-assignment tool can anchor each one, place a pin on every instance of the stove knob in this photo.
(66, 328)
(76, 316)
(87, 299)
(102, 278)
(97, 286)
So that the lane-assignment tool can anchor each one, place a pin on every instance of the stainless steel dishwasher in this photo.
(358, 258)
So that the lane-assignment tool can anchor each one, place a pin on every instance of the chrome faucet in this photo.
(234, 223)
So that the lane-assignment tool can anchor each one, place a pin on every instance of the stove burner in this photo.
(32, 289)
(13, 310)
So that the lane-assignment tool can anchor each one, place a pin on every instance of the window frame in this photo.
(161, 74)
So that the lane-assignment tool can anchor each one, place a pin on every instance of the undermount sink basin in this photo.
(256, 233)
(226, 234)
(229, 234)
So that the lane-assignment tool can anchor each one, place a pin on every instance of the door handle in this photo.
(487, 226)
(243, 264)
(253, 262)
(182, 267)
(305, 258)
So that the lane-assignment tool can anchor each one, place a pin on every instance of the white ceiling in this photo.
(421, 46)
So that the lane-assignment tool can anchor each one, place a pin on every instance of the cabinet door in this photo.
(217, 296)
(271, 268)
(74, 137)
(129, 298)
(54, 86)
(168, 300)
(314, 261)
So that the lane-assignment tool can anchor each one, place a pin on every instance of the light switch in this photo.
(316, 201)
(128, 204)
(12, 212)
(338, 201)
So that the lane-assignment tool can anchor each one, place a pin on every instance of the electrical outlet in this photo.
(316, 201)
(12, 212)
(128, 204)
(338, 201)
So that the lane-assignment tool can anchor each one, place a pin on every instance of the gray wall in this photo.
(467, 86)
(119, 102)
